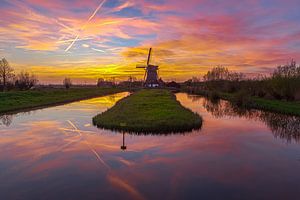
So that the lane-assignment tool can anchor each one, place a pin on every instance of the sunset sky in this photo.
(91, 39)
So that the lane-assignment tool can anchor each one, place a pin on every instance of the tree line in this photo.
(9, 80)
(282, 84)
(23, 81)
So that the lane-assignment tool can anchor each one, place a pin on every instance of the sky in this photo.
(91, 39)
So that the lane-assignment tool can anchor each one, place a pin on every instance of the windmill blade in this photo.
(141, 66)
(145, 75)
(149, 55)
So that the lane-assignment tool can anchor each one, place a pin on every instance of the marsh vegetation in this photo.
(279, 92)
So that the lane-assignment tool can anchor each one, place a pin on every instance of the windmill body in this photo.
(151, 73)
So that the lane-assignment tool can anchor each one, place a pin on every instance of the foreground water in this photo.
(55, 153)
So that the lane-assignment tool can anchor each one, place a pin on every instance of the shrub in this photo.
(25, 80)
(242, 98)
(285, 81)
(214, 96)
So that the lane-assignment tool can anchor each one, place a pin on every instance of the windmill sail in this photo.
(148, 61)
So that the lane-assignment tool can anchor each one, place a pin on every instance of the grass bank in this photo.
(284, 107)
(25, 100)
(279, 106)
(149, 111)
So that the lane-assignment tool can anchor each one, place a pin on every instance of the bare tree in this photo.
(6, 72)
(67, 83)
(131, 79)
(25, 80)
(216, 74)
(220, 73)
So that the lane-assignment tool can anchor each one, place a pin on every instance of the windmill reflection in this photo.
(123, 147)
(282, 126)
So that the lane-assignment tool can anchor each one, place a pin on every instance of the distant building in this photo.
(102, 83)
(173, 84)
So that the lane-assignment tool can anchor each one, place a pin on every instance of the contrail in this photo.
(83, 27)
(112, 177)
(70, 46)
(78, 131)
(68, 144)
(88, 144)
(97, 9)
(72, 130)
(115, 180)
(97, 155)
(67, 41)
(66, 27)
(99, 50)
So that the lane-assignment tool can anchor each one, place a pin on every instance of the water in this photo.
(56, 153)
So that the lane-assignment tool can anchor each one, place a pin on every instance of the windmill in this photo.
(151, 75)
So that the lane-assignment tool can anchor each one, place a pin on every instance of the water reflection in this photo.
(282, 126)
(107, 101)
(56, 153)
(123, 147)
(6, 120)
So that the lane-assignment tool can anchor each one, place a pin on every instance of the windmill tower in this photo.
(151, 73)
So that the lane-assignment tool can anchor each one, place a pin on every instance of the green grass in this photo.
(23, 100)
(284, 107)
(279, 106)
(149, 111)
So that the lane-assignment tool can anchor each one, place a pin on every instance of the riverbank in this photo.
(149, 111)
(25, 100)
(272, 105)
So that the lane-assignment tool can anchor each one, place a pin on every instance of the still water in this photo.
(56, 153)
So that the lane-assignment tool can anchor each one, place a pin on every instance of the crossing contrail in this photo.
(88, 144)
(83, 27)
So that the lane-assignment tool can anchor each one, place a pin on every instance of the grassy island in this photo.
(14, 101)
(149, 111)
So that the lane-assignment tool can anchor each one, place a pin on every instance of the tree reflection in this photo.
(282, 126)
(223, 108)
(6, 119)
